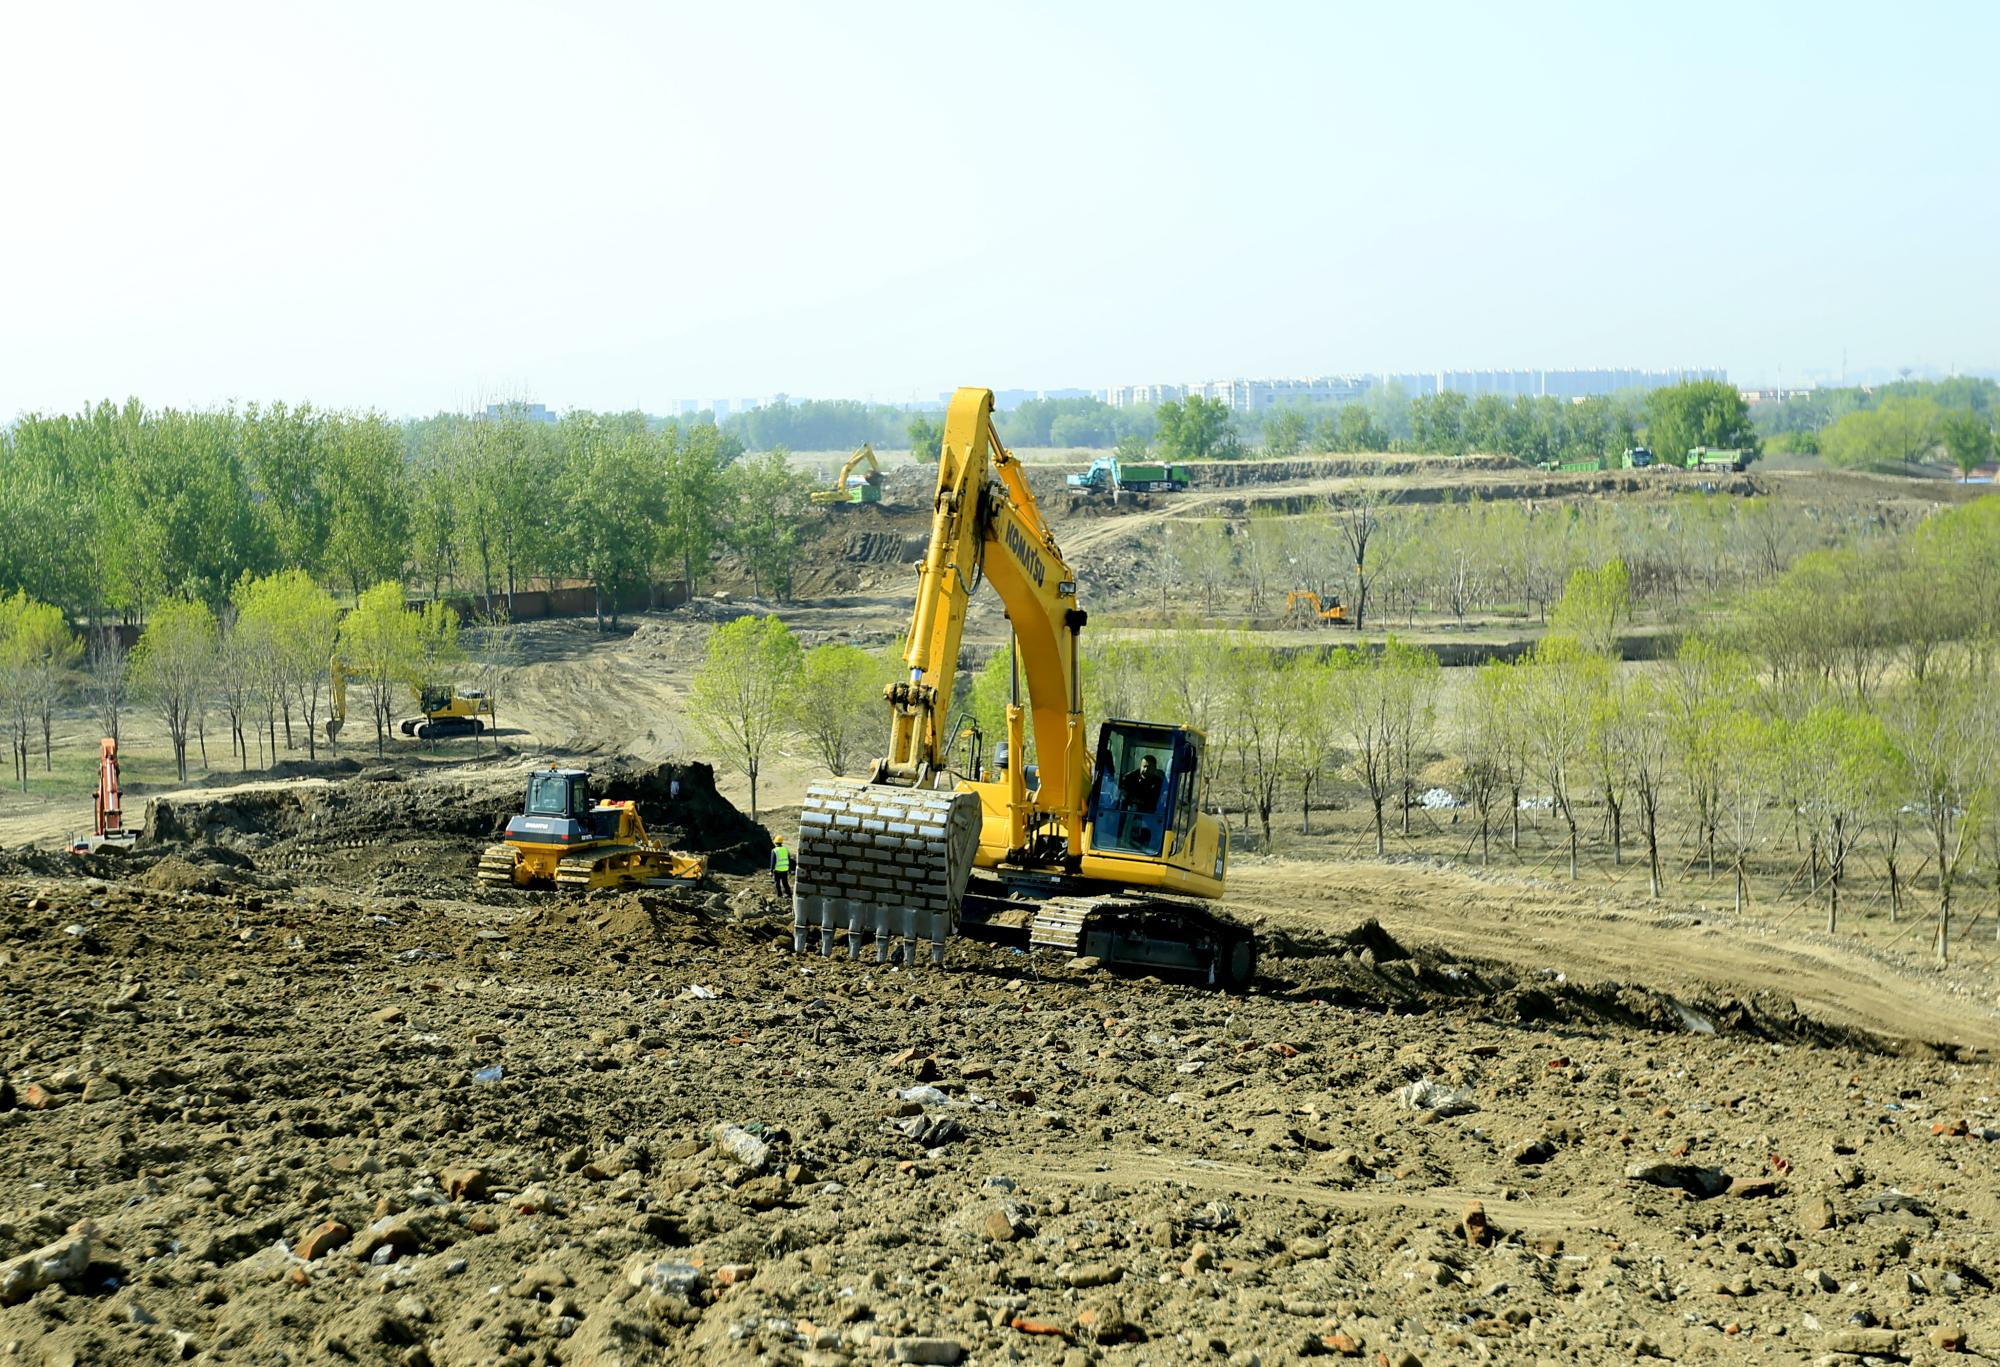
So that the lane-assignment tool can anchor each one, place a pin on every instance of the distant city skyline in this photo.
(419, 208)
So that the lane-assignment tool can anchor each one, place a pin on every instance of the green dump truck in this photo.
(1108, 474)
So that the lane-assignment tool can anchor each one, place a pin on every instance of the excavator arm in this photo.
(985, 523)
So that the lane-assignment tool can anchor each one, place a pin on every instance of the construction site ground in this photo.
(281, 1085)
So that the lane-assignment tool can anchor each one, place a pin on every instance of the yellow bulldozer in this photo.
(563, 840)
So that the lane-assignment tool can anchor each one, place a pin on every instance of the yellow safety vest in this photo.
(781, 860)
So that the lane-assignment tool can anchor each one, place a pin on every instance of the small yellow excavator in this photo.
(1300, 602)
(1114, 859)
(561, 839)
(849, 487)
(445, 712)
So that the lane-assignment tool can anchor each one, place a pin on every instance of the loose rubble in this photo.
(243, 1120)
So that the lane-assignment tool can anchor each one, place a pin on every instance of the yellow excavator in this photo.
(444, 712)
(1111, 858)
(849, 487)
(561, 839)
(1301, 602)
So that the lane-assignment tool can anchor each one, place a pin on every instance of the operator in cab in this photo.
(1141, 787)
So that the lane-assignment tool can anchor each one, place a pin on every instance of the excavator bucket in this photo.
(882, 862)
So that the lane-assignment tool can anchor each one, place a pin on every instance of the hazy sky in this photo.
(420, 205)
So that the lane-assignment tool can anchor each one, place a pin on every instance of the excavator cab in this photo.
(1145, 787)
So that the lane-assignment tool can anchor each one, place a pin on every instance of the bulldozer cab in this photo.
(559, 793)
(1146, 785)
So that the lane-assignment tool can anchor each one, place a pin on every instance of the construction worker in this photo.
(781, 867)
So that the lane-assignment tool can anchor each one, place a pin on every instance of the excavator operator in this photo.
(1141, 787)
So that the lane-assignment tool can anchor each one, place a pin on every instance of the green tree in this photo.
(613, 492)
(368, 529)
(770, 501)
(1593, 605)
(1943, 732)
(1900, 431)
(926, 436)
(1197, 429)
(1708, 685)
(1698, 413)
(380, 648)
(838, 705)
(739, 694)
(1968, 440)
(173, 664)
(1560, 691)
(1490, 758)
(1286, 431)
(1352, 429)
(696, 459)
(291, 626)
(38, 652)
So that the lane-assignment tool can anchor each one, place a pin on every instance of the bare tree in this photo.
(1943, 730)
(1560, 687)
(106, 674)
(1363, 522)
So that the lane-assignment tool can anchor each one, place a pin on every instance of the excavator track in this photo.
(882, 862)
(496, 866)
(1143, 934)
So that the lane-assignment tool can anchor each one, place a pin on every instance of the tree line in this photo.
(263, 672)
(111, 511)
(1388, 560)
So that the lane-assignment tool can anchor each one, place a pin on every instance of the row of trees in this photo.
(111, 511)
(1386, 559)
(261, 668)
(1798, 714)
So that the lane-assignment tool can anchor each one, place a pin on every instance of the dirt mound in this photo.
(175, 874)
(1368, 967)
(349, 808)
(677, 916)
(680, 806)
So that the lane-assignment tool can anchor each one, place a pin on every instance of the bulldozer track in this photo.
(576, 870)
(496, 866)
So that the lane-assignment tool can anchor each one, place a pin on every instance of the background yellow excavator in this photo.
(444, 711)
(1306, 603)
(849, 487)
(1110, 856)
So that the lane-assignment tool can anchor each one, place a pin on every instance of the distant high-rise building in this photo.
(1536, 384)
(1244, 396)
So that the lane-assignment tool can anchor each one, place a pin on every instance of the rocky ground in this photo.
(284, 1089)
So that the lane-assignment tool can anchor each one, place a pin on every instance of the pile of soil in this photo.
(680, 806)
